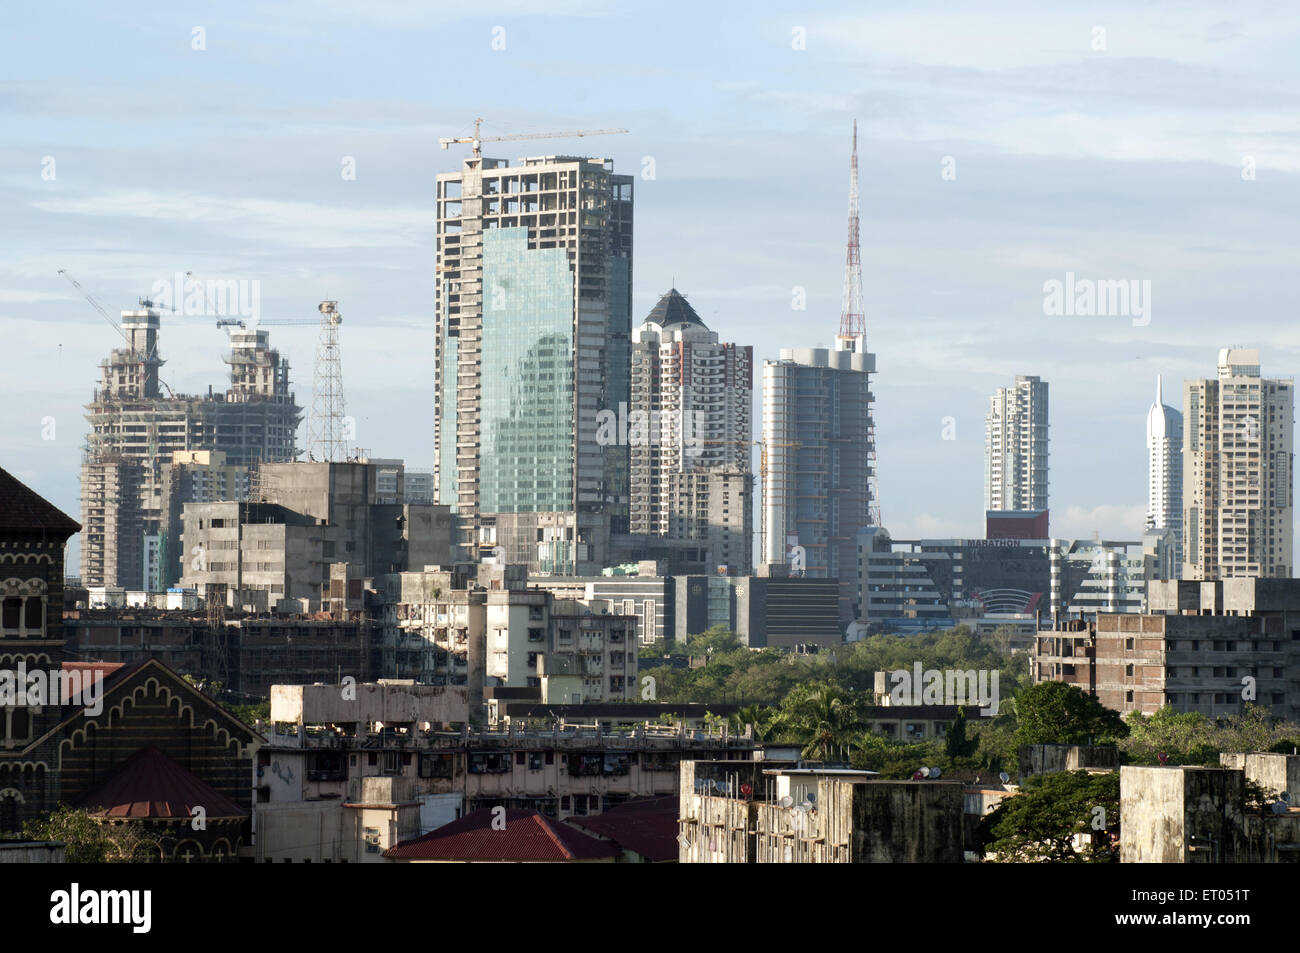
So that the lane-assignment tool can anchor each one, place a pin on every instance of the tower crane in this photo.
(117, 327)
(476, 141)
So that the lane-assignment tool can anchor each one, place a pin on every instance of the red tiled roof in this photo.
(528, 835)
(22, 508)
(150, 784)
(647, 826)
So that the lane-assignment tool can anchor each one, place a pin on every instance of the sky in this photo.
(296, 144)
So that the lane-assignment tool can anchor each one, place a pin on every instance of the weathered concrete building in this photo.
(1188, 815)
(246, 653)
(1210, 646)
(754, 813)
(310, 515)
(314, 771)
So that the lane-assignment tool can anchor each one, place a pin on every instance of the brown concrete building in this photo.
(1210, 647)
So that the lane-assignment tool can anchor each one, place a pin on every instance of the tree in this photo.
(824, 718)
(1064, 817)
(956, 745)
(89, 840)
(1057, 713)
(1183, 737)
(715, 639)
(760, 716)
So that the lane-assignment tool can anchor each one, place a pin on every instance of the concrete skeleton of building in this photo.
(134, 471)
(690, 434)
(1205, 646)
(1238, 461)
(1016, 447)
(533, 300)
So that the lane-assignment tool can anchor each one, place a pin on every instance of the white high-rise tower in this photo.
(1237, 461)
(1165, 471)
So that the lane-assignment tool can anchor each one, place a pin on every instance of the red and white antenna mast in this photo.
(853, 322)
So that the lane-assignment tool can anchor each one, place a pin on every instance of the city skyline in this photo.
(951, 315)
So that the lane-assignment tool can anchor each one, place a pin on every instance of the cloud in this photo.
(1109, 520)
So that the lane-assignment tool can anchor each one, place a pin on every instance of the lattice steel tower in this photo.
(328, 440)
(853, 323)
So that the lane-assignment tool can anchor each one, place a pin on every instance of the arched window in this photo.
(9, 812)
(20, 724)
(35, 615)
(9, 613)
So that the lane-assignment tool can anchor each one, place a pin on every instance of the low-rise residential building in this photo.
(753, 813)
(322, 745)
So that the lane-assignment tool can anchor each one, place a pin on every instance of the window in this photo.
(35, 614)
(9, 618)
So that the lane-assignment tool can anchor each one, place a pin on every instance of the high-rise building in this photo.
(689, 434)
(1165, 471)
(135, 431)
(819, 441)
(816, 440)
(533, 296)
(1238, 433)
(1015, 447)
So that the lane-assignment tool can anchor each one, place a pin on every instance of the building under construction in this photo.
(534, 294)
(139, 461)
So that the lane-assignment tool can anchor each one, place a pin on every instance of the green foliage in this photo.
(249, 713)
(1057, 713)
(88, 841)
(1042, 822)
(956, 744)
(1192, 738)
(825, 718)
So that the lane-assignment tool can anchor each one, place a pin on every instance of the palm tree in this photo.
(760, 716)
(824, 717)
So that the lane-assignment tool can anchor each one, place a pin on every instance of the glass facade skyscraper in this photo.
(534, 303)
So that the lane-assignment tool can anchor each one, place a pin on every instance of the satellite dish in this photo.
(916, 775)
(1279, 807)
(1286, 797)
(787, 801)
(935, 772)
(924, 772)
(1162, 758)
(1004, 777)
(806, 806)
(812, 797)
(746, 790)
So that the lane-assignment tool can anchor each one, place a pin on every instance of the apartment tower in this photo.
(689, 433)
(1237, 461)
(1015, 447)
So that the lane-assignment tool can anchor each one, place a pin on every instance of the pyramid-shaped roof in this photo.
(25, 510)
(673, 308)
(150, 784)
